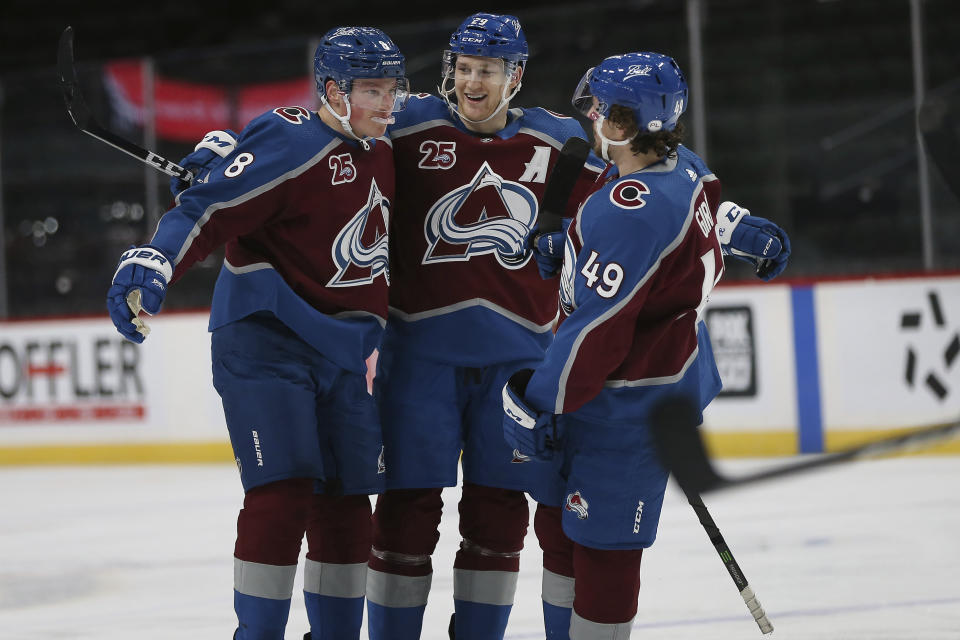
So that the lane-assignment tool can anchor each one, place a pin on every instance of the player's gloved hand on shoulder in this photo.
(215, 146)
(531, 433)
(548, 249)
(753, 239)
(140, 283)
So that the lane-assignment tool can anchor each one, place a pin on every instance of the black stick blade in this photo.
(67, 73)
(680, 447)
(562, 180)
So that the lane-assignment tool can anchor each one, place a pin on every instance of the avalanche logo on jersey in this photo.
(578, 504)
(361, 248)
(489, 215)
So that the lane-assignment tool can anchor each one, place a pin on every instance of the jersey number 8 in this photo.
(238, 165)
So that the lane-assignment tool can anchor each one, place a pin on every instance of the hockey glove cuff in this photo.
(548, 249)
(139, 284)
(753, 239)
(532, 434)
(208, 153)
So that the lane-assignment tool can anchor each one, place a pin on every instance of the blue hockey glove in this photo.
(753, 239)
(215, 146)
(548, 249)
(532, 434)
(139, 284)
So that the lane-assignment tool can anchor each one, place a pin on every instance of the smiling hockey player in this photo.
(302, 201)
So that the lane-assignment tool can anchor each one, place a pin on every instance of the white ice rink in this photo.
(865, 551)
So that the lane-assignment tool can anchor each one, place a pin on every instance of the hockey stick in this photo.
(746, 591)
(682, 450)
(560, 184)
(80, 114)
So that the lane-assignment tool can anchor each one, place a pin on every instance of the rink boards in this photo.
(807, 367)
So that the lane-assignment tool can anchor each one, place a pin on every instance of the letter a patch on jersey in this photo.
(490, 215)
(361, 248)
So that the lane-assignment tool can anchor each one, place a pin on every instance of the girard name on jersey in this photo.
(490, 215)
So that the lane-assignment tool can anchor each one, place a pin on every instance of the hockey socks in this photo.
(484, 584)
(557, 595)
(400, 570)
(261, 599)
(335, 573)
(269, 530)
(334, 595)
(477, 621)
(395, 603)
(493, 523)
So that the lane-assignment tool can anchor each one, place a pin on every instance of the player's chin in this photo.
(477, 111)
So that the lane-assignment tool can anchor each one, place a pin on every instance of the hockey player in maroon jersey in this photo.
(302, 201)
(640, 260)
(467, 308)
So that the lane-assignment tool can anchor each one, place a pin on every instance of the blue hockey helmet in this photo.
(491, 36)
(347, 53)
(649, 84)
(487, 35)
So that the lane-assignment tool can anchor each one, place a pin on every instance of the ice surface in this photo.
(869, 551)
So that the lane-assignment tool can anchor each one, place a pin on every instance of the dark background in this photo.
(809, 105)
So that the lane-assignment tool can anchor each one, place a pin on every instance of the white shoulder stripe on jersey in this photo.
(540, 135)
(466, 304)
(612, 311)
(216, 206)
(416, 128)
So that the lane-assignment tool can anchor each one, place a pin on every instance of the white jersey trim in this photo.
(421, 126)
(247, 268)
(612, 311)
(650, 382)
(467, 304)
(213, 208)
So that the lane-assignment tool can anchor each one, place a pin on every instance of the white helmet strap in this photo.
(605, 142)
(345, 120)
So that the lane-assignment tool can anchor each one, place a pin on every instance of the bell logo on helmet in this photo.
(638, 70)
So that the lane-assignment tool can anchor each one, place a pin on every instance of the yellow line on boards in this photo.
(92, 454)
(739, 444)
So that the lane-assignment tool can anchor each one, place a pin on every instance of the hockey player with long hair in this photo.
(302, 201)
(640, 259)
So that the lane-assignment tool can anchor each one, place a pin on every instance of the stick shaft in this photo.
(736, 573)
